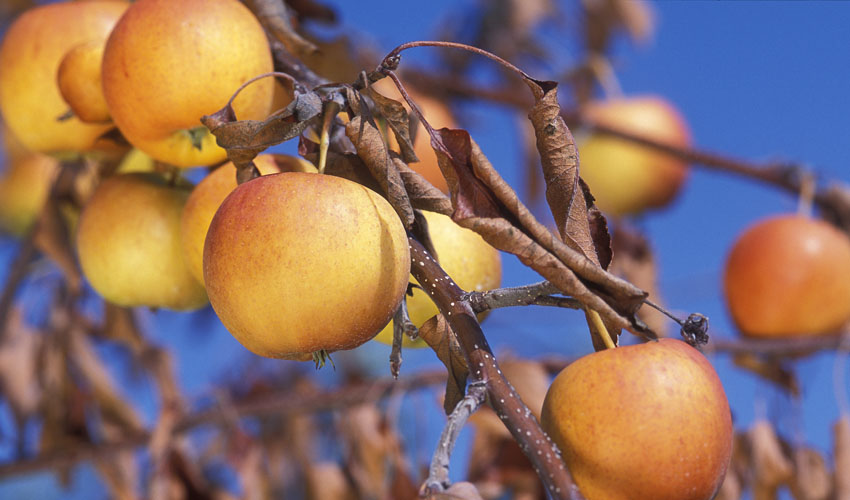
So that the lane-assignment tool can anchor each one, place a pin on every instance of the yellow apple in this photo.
(789, 275)
(29, 60)
(471, 262)
(624, 177)
(24, 187)
(641, 422)
(168, 63)
(208, 195)
(128, 241)
(79, 81)
(296, 263)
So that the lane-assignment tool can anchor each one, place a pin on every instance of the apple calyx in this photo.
(321, 357)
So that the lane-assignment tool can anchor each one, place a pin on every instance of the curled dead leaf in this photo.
(440, 337)
(771, 468)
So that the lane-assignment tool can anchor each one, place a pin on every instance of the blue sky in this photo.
(755, 80)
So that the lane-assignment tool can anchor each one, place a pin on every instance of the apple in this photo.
(168, 63)
(207, 197)
(641, 422)
(128, 242)
(624, 177)
(472, 263)
(296, 263)
(79, 80)
(30, 55)
(789, 275)
(24, 187)
(438, 115)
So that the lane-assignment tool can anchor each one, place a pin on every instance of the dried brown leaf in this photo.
(327, 480)
(52, 239)
(841, 456)
(245, 139)
(812, 479)
(637, 18)
(20, 349)
(437, 333)
(771, 467)
(274, 15)
(457, 491)
(634, 260)
(398, 121)
(559, 157)
(526, 14)
(485, 203)
(731, 488)
(423, 195)
(370, 147)
(770, 369)
(119, 325)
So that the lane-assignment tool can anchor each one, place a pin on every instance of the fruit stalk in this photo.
(453, 303)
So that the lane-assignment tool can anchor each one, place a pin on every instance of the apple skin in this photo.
(29, 59)
(167, 64)
(641, 422)
(128, 242)
(471, 262)
(208, 195)
(296, 262)
(24, 188)
(79, 80)
(789, 275)
(624, 177)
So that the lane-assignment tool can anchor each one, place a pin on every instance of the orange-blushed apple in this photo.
(167, 64)
(789, 275)
(79, 80)
(24, 187)
(208, 195)
(298, 263)
(128, 242)
(30, 55)
(624, 177)
(472, 263)
(641, 422)
(438, 115)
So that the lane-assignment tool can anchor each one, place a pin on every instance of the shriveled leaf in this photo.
(770, 369)
(637, 18)
(812, 479)
(114, 407)
(771, 467)
(19, 351)
(119, 325)
(731, 488)
(457, 491)
(841, 456)
(274, 16)
(397, 120)
(52, 239)
(485, 203)
(327, 480)
(527, 14)
(423, 195)
(634, 260)
(245, 139)
(371, 149)
(559, 157)
(437, 333)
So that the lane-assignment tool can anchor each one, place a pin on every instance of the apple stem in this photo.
(596, 320)
(807, 194)
(438, 473)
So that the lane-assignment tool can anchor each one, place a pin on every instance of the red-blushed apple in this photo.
(789, 275)
(472, 263)
(624, 177)
(167, 64)
(208, 195)
(29, 60)
(128, 242)
(298, 263)
(641, 422)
